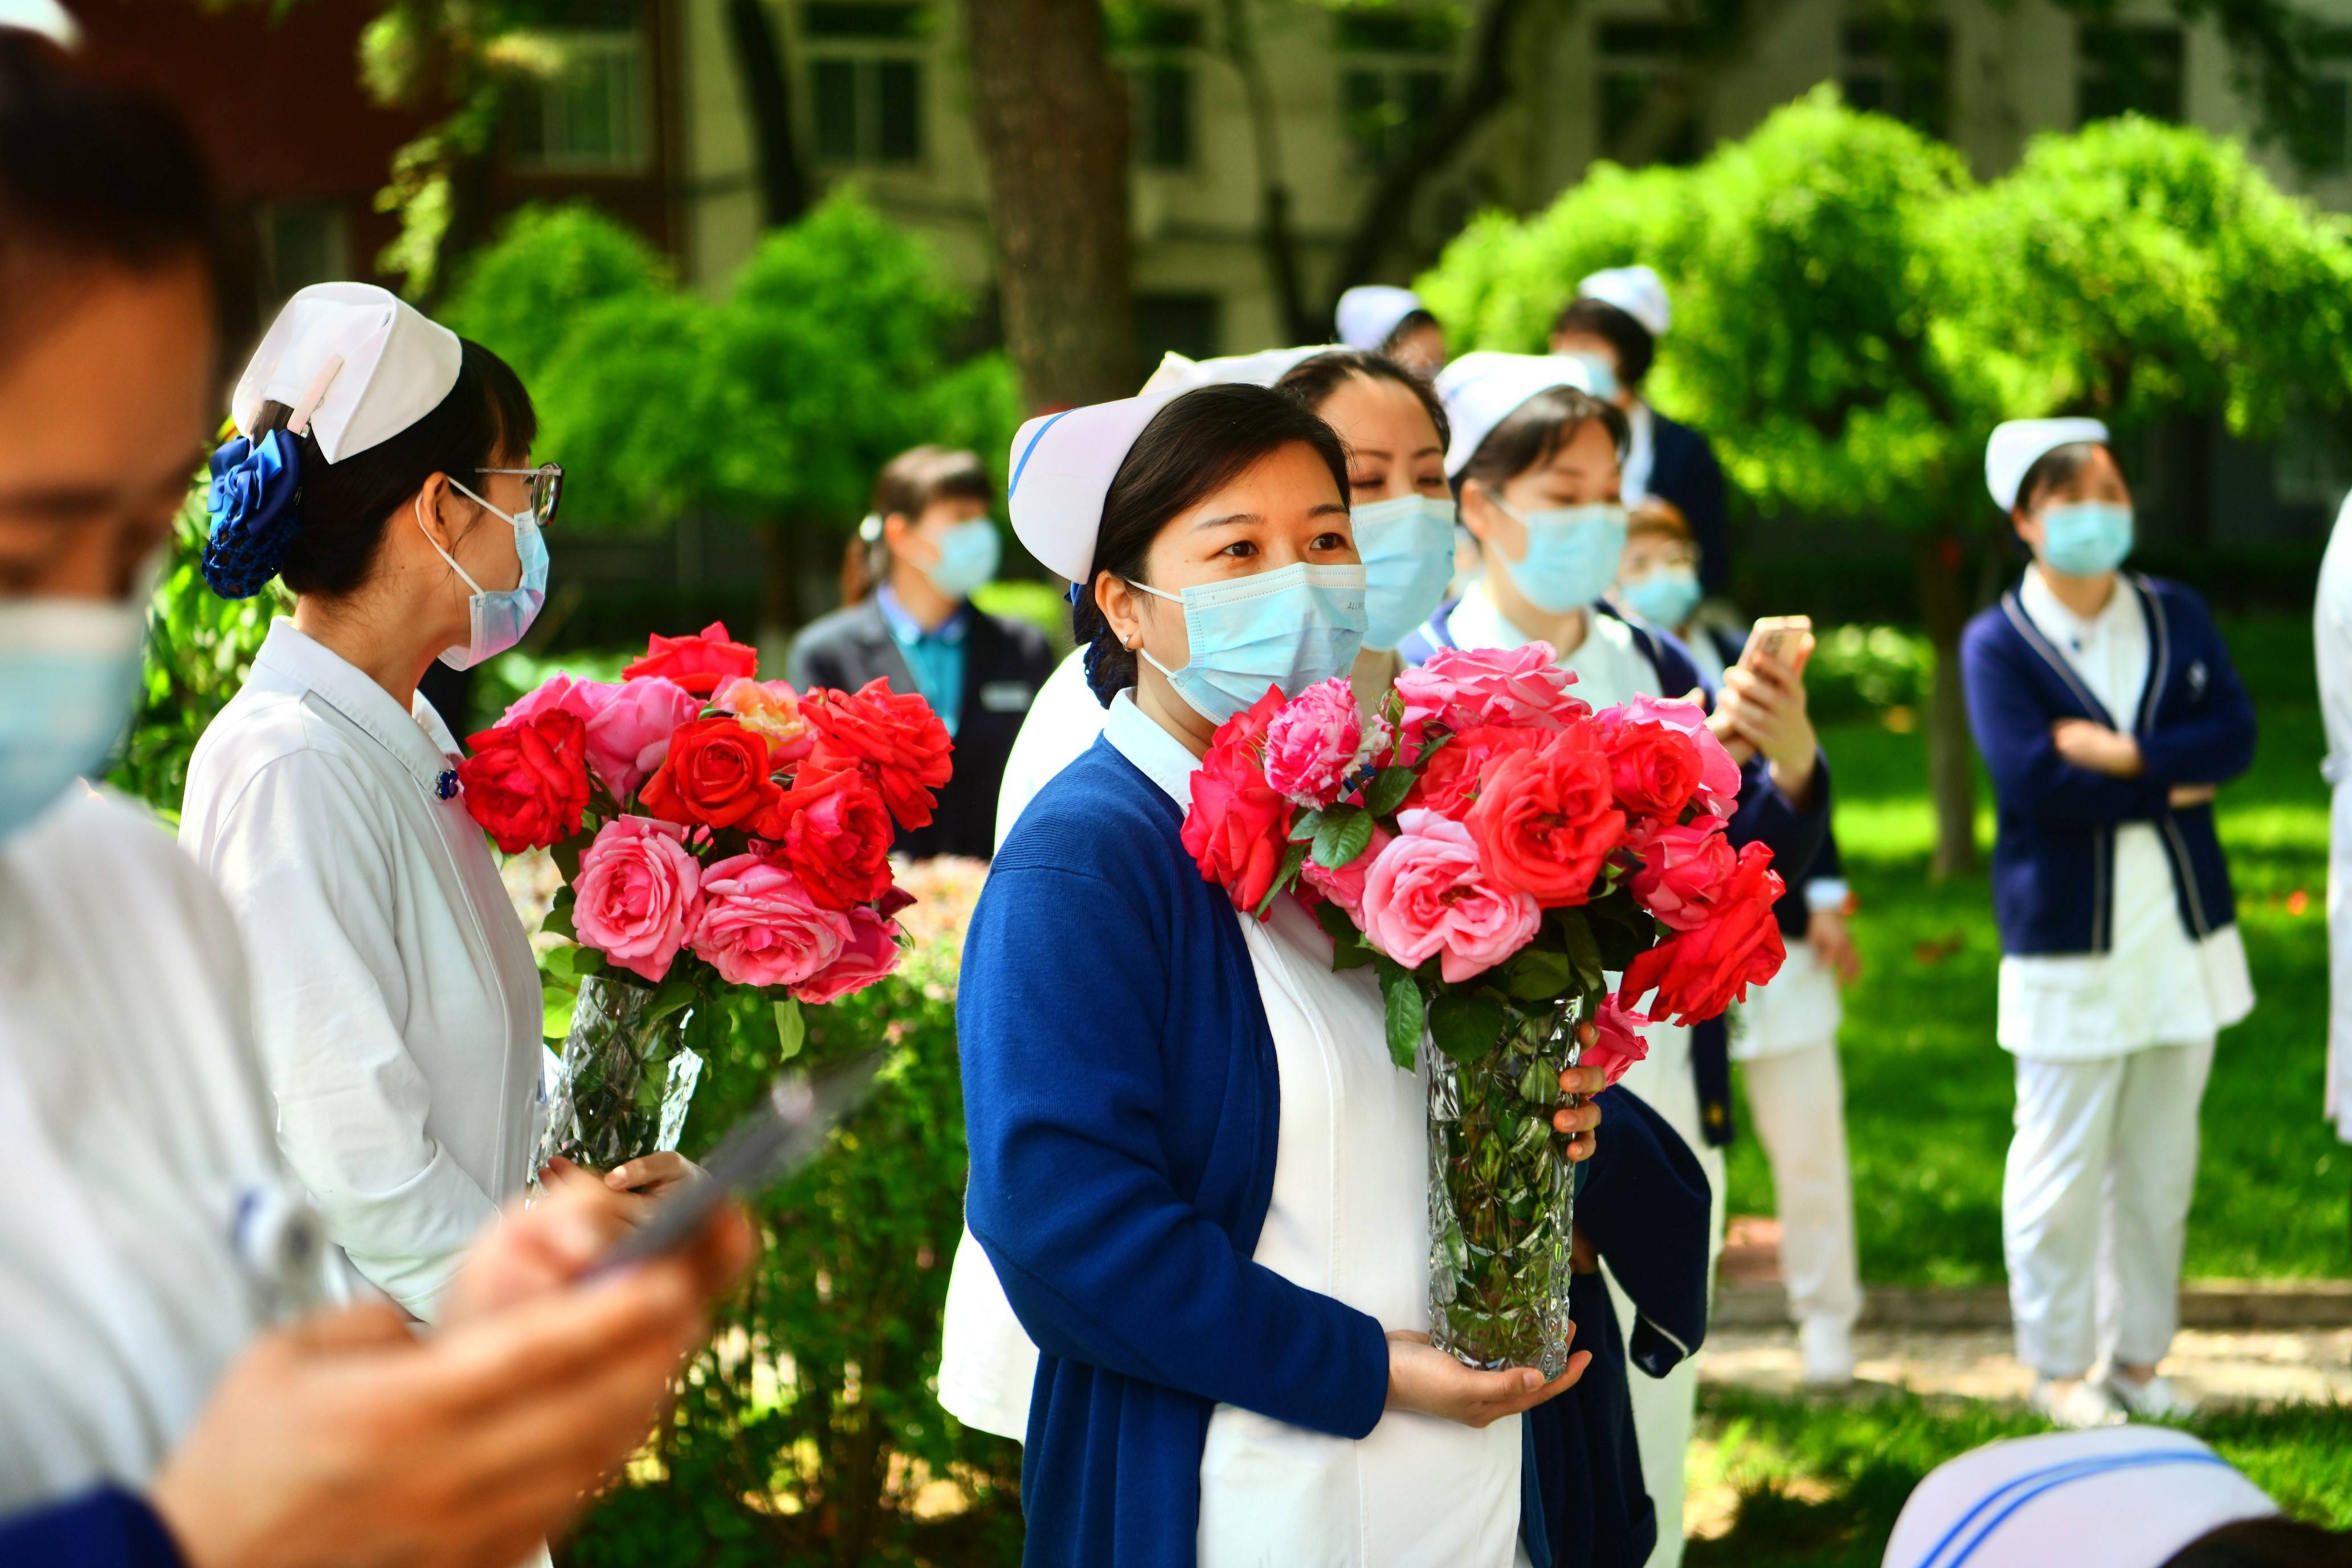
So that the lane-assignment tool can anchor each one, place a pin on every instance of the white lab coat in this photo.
(398, 1001)
(147, 1228)
(2331, 633)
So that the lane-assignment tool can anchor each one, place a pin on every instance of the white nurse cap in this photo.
(1481, 390)
(2115, 1494)
(356, 363)
(1176, 373)
(1636, 290)
(46, 17)
(1368, 312)
(1063, 464)
(2021, 443)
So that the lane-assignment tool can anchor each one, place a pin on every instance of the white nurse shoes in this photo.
(1827, 1346)
(2075, 1403)
(2155, 1400)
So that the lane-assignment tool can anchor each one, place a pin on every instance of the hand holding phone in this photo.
(1788, 639)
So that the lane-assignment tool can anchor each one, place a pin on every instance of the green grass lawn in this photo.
(1929, 1094)
(1819, 1482)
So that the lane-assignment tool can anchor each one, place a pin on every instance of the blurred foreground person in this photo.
(2107, 710)
(149, 1413)
(2141, 1497)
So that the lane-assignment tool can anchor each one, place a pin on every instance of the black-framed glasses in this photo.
(546, 488)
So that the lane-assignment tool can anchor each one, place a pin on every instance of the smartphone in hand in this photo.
(1788, 638)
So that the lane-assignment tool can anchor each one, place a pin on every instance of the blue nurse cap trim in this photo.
(1022, 466)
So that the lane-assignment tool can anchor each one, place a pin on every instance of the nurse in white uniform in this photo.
(2332, 636)
(381, 471)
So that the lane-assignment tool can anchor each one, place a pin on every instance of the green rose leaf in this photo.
(1467, 1024)
(1292, 858)
(555, 1022)
(559, 918)
(1584, 954)
(587, 960)
(566, 857)
(1623, 929)
(1304, 830)
(1538, 974)
(1349, 948)
(1345, 830)
(1402, 1000)
(792, 1029)
(1387, 791)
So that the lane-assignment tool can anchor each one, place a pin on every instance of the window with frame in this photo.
(1899, 66)
(1643, 79)
(866, 80)
(2129, 70)
(1396, 66)
(593, 115)
(1160, 45)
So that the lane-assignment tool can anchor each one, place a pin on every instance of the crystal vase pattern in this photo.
(625, 1079)
(1501, 1198)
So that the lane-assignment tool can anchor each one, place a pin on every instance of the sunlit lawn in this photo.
(1929, 1092)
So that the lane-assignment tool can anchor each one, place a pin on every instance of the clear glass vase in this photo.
(625, 1079)
(1501, 1198)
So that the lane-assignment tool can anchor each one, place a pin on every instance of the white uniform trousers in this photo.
(2094, 1206)
(1798, 1100)
(1664, 1407)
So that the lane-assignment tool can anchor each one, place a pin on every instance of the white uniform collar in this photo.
(2054, 619)
(1157, 754)
(417, 740)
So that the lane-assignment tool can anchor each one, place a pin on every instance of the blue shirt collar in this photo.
(908, 629)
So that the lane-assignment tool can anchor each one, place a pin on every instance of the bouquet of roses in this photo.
(713, 831)
(1494, 850)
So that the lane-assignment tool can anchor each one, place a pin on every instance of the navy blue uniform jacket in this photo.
(1684, 471)
(2053, 858)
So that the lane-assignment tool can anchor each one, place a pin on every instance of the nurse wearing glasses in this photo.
(381, 471)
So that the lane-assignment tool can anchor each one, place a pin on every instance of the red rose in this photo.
(1239, 826)
(1544, 819)
(1699, 972)
(1449, 779)
(1685, 870)
(716, 774)
(1654, 768)
(1617, 1039)
(701, 663)
(837, 838)
(895, 739)
(527, 783)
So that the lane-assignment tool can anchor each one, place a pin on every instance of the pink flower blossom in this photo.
(1619, 1042)
(1685, 867)
(1463, 687)
(758, 926)
(629, 722)
(872, 952)
(1315, 742)
(637, 889)
(1426, 894)
(1345, 887)
(1718, 786)
(769, 707)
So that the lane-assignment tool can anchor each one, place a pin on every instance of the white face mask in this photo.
(1292, 628)
(69, 683)
(498, 618)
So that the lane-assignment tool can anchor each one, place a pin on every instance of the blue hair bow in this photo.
(255, 488)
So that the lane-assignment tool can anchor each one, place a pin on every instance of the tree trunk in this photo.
(1052, 122)
(1951, 782)
(779, 612)
(768, 94)
(1277, 240)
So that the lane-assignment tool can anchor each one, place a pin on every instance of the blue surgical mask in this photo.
(1664, 595)
(1572, 553)
(69, 680)
(1598, 370)
(1407, 544)
(499, 619)
(2085, 539)
(1291, 628)
(970, 554)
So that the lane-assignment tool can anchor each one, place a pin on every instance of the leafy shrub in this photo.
(1864, 671)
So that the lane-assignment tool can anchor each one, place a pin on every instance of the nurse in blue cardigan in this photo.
(1193, 1168)
(2107, 710)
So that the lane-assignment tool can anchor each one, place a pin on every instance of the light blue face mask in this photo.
(1407, 543)
(1597, 370)
(1572, 553)
(1293, 628)
(69, 676)
(2085, 539)
(1664, 595)
(498, 618)
(970, 554)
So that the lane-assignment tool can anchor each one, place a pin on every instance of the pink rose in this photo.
(629, 722)
(1312, 743)
(1685, 867)
(1345, 887)
(636, 890)
(1719, 781)
(758, 926)
(1462, 689)
(769, 707)
(1618, 1041)
(871, 952)
(1425, 894)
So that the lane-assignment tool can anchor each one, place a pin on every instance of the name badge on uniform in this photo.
(2197, 679)
(1007, 696)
